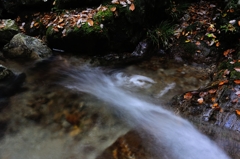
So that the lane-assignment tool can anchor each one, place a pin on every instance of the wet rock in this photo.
(4, 73)
(9, 82)
(8, 28)
(23, 46)
(141, 52)
(218, 113)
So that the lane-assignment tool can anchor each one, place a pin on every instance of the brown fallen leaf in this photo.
(90, 22)
(217, 44)
(200, 100)
(132, 7)
(198, 43)
(237, 112)
(211, 91)
(113, 9)
(215, 105)
(213, 99)
(237, 81)
(223, 82)
(228, 51)
(188, 96)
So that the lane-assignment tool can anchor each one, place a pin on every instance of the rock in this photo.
(8, 28)
(4, 73)
(9, 82)
(217, 113)
(141, 52)
(23, 46)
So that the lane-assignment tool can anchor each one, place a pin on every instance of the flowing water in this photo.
(89, 108)
(172, 136)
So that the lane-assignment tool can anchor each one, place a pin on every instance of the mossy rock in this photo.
(85, 40)
(8, 29)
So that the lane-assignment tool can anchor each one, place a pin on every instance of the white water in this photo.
(172, 136)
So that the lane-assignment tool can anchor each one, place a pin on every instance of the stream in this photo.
(69, 109)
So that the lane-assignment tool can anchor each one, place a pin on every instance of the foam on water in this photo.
(173, 137)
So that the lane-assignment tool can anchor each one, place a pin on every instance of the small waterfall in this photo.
(172, 136)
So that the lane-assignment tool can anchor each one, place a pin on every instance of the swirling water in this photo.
(172, 137)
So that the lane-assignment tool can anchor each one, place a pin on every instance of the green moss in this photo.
(49, 31)
(234, 75)
(104, 16)
(10, 25)
(228, 65)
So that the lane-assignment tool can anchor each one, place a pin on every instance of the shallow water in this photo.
(75, 125)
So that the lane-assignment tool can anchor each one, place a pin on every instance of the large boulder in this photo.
(24, 46)
(8, 28)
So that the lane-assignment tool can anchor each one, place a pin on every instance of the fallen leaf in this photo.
(237, 81)
(226, 72)
(202, 94)
(213, 99)
(132, 7)
(115, 2)
(237, 69)
(211, 35)
(237, 112)
(211, 91)
(36, 24)
(60, 20)
(223, 82)
(200, 100)
(113, 9)
(198, 43)
(228, 51)
(217, 44)
(215, 105)
(76, 130)
(188, 95)
(187, 41)
(90, 22)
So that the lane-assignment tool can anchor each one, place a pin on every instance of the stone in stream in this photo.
(9, 82)
(24, 46)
